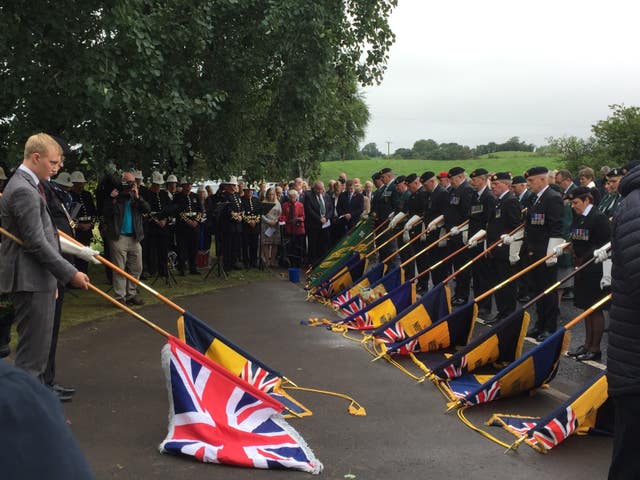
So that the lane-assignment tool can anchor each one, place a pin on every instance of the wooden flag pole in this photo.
(444, 260)
(377, 234)
(390, 239)
(588, 311)
(149, 324)
(517, 275)
(127, 275)
(495, 244)
(414, 239)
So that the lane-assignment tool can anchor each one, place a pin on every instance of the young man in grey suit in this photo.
(30, 272)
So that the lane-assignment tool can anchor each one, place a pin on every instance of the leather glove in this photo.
(85, 253)
(552, 247)
(411, 222)
(477, 237)
(435, 223)
(605, 281)
(396, 219)
(602, 253)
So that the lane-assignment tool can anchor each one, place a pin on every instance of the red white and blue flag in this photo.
(217, 417)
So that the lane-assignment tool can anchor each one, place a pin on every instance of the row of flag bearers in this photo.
(482, 231)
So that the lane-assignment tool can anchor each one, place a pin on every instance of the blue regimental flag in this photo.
(372, 276)
(217, 417)
(425, 335)
(200, 336)
(389, 282)
(532, 370)
(382, 309)
(320, 286)
(429, 309)
(501, 344)
(587, 411)
(345, 279)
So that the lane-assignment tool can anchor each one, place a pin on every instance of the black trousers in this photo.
(250, 249)
(547, 308)
(157, 250)
(463, 279)
(6, 319)
(318, 243)
(187, 239)
(49, 375)
(84, 237)
(231, 244)
(482, 275)
(506, 297)
(625, 462)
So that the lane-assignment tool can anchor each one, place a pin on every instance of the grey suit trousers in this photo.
(34, 312)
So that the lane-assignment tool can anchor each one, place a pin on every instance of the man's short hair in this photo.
(41, 143)
(587, 172)
(565, 174)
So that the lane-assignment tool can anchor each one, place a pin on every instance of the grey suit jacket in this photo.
(36, 266)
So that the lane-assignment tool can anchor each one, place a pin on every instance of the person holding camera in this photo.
(124, 232)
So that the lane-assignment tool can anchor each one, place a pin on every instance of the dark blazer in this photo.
(437, 204)
(504, 218)
(481, 209)
(114, 213)
(459, 207)
(37, 266)
(354, 207)
(543, 221)
(312, 211)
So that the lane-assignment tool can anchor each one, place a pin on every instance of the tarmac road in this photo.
(119, 413)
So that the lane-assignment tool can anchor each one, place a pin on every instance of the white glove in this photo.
(405, 237)
(423, 237)
(411, 222)
(454, 231)
(85, 253)
(602, 253)
(391, 215)
(506, 239)
(514, 257)
(395, 220)
(552, 247)
(605, 281)
(477, 237)
(436, 222)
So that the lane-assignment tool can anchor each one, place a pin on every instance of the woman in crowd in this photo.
(293, 213)
(270, 230)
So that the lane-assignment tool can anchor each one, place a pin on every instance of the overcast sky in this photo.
(472, 72)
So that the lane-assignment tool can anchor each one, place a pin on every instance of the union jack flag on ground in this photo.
(557, 430)
(453, 370)
(341, 299)
(217, 417)
(259, 377)
(353, 306)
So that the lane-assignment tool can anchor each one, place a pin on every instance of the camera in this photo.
(125, 186)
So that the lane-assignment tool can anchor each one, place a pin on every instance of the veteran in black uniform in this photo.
(589, 230)
(482, 205)
(503, 219)
(250, 227)
(386, 201)
(543, 232)
(230, 225)
(437, 205)
(414, 208)
(157, 236)
(86, 217)
(188, 213)
(459, 209)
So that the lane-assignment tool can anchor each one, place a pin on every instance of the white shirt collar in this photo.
(504, 193)
(24, 168)
(482, 191)
(587, 210)
(542, 191)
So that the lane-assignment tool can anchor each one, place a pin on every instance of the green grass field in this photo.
(514, 162)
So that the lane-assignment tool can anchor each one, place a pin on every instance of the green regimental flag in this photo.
(345, 248)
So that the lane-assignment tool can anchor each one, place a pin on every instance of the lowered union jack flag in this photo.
(217, 417)
(341, 299)
(557, 430)
(259, 377)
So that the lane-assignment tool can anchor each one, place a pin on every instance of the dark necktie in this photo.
(41, 190)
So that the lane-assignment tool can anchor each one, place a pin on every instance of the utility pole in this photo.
(388, 148)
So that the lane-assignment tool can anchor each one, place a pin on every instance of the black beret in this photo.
(579, 192)
(400, 179)
(426, 176)
(479, 171)
(342, 180)
(375, 176)
(455, 171)
(518, 179)
(615, 172)
(385, 170)
(501, 176)
(536, 171)
(630, 166)
(410, 178)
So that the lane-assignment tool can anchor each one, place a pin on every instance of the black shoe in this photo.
(5, 350)
(122, 301)
(578, 351)
(457, 302)
(135, 300)
(62, 389)
(543, 336)
(524, 298)
(63, 397)
(533, 332)
(589, 356)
